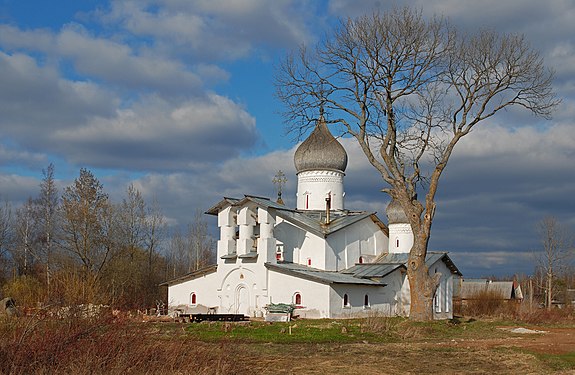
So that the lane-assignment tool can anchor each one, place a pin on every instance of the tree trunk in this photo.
(422, 285)
(549, 290)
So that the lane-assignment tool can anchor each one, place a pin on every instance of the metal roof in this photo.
(372, 270)
(311, 221)
(503, 289)
(431, 258)
(317, 275)
(192, 275)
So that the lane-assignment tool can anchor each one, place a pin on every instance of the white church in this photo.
(328, 261)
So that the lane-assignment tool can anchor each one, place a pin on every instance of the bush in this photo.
(27, 291)
(489, 303)
(106, 346)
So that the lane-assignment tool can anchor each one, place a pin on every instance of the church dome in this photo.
(395, 214)
(320, 151)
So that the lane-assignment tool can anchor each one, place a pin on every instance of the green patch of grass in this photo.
(263, 332)
(372, 329)
(558, 362)
(308, 331)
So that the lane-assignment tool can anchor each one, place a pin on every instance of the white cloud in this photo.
(156, 134)
(216, 29)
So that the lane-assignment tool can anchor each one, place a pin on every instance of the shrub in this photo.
(27, 291)
(107, 346)
(489, 303)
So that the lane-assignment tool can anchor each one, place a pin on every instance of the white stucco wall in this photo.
(315, 296)
(314, 186)
(348, 244)
(299, 246)
(179, 295)
(444, 292)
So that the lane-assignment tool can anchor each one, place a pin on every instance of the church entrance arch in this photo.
(242, 300)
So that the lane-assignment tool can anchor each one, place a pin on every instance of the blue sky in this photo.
(176, 96)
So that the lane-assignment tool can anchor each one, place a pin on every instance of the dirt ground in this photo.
(516, 353)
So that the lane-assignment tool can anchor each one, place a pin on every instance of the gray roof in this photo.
(431, 258)
(320, 151)
(192, 275)
(312, 221)
(503, 289)
(320, 276)
(372, 270)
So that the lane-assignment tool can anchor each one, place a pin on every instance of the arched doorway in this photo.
(242, 300)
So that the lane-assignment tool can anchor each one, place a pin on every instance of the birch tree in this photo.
(407, 90)
(557, 246)
(47, 211)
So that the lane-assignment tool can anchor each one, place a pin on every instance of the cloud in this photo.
(35, 100)
(119, 64)
(215, 30)
(158, 135)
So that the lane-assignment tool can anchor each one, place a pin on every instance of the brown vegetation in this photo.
(107, 346)
(118, 345)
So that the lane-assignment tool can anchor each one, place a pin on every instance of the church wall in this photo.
(300, 246)
(400, 238)
(347, 245)
(379, 301)
(180, 295)
(314, 296)
(443, 300)
(241, 289)
(315, 186)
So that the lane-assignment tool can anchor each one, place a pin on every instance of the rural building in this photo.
(326, 260)
(477, 289)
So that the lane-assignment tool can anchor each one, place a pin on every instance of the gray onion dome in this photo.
(395, 214)
(320, 151)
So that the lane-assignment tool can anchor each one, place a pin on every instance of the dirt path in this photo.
(512, 354)
(547, 341)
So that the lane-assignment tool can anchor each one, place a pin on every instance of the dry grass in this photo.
(376, 344)
(106, 346)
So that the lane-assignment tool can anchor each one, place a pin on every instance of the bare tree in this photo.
(6, 232)
(155, 231)
(86, 215)
(132, 220)
(177, 262)
(199, 243)
(47, 207)
(23, 251)
(408, 90)
(557, 244)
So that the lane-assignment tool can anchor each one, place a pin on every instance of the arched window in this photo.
(309, 261)
(297, 299)
(366, 301)
(345, 300)
(193, 299)
(397, 242)
(360, 260)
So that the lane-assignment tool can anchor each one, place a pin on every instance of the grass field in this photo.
(373, 345)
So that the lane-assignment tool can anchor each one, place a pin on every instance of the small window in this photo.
(297, 299)
(360, 260)
(346, 301)
(366, 302)
(309, 261)
(193, 299)
(397, 242)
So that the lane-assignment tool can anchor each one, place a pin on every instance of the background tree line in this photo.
(78, 246)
